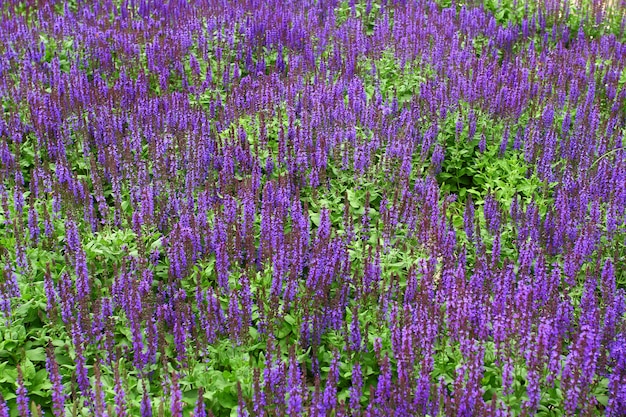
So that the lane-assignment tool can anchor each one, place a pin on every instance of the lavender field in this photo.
(312, 208)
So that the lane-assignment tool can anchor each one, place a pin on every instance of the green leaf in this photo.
(228, 401)
(315, 218)
(36, 355)
(191, 396)
(283, 332)
(28, 369)
(353, 199)
(290, 319)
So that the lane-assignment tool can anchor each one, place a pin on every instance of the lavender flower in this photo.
(22, 395)
(146, 405)
(58, 397)
(4, 409)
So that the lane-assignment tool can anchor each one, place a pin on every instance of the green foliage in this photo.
(61, 49)
(393, 80)
(468, 169)
(23, 339)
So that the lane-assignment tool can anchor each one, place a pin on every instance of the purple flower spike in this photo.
(22, 395)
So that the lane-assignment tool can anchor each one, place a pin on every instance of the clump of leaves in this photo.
(484, 163)
(392, 79)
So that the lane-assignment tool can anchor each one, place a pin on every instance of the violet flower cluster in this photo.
(212, 206)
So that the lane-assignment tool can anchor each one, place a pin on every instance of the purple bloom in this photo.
(355, 332)
(4, 409)
(176, 400)
(120, 396)
(482, 144)
(294, 389)
(356, 389)
(58, 398)
(438, 158)
(329, 400)
(146, 405)
(200, 410)
(22, 395)
(492, 214)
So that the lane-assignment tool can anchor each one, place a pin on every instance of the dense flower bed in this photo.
(323, 208)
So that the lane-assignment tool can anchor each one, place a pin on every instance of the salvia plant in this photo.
(312, 208)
